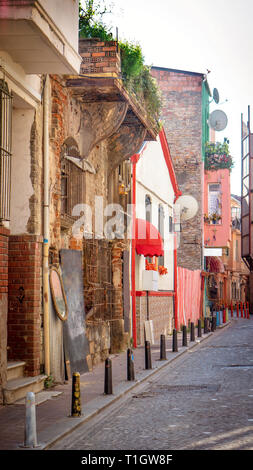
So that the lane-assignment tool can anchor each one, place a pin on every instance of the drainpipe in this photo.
(177, 194)
(133, 255)
(175, 283)
(46, 225)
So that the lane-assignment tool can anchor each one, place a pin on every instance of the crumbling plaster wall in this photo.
(67, 119)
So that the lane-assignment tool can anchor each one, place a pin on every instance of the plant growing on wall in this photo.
(91, 13)
(135, 74)
(217, 155)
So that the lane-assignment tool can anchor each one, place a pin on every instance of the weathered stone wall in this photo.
(182, 118)
(160, 312)
(99, 341)
(67, 118)
(119, 338)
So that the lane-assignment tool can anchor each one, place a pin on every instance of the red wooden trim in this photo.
(143, 293)
(133, 257)
(175, 283)
(168, 160)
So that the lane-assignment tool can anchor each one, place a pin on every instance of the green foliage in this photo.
(48, 382)
(132, 60)
(217, 155)
(90, 20)
(138, 79)
(135, 74)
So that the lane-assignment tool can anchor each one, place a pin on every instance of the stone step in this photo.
(17, 388)
(15, 370)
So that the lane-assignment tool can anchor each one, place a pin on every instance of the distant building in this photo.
(155, 267)
(185, 116)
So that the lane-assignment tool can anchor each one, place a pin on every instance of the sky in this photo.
(196, 36)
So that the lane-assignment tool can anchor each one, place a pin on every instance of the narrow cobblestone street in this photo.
(204, 400)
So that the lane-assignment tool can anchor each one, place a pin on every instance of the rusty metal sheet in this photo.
(76, 346)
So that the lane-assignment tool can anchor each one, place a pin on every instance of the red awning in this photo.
(148, 240)
(214, 264)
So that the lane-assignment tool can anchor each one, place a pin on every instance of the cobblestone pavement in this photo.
(202, 401)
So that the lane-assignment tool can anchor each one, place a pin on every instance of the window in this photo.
(148, 214)
(221, 290)
(214, 203)
(235, 212)
(170, 224)
(148, 208)
(161, 230)
(72, 182)
(5, 150)
(234, 290)
(237, 251)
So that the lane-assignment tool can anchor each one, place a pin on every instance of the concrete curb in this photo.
(68, 424)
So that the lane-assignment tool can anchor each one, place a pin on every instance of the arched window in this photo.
(72, 178)
(148, 214)
(161, 230)
(148, 208)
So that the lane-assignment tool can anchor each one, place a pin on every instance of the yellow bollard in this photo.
(76, 396)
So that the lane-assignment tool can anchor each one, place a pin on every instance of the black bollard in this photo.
(174, 341)
(108, 377)
(76, 396)
(130, 365)
(184, 337)
(199, 328)
(192, 332)
(205, 326)
(162, 348)
(213, 323)
(148, 363)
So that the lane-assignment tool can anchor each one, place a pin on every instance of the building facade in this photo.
(185, 112)
(25, 28)
(65, 299)
(155, 259)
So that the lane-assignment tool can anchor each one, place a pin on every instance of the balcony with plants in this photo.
(217, 156)
(134, 74)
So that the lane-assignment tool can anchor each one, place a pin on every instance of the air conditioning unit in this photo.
(150, 280)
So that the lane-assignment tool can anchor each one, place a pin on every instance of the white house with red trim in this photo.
(154, 266)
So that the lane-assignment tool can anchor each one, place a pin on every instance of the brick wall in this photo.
(160, 312)
(4, 233)
(182, 118)
(24, 315)
(99, 57)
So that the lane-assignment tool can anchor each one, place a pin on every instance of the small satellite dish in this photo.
(216, 96)
(218, 120)
(188, 206)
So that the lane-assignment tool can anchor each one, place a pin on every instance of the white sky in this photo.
(196, 35)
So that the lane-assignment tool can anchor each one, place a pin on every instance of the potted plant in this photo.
(217, 155)
(162, 270)
(215, 218)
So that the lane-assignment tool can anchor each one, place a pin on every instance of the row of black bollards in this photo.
(209, 325)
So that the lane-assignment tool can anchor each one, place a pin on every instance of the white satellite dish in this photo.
(218, 120)
(188, 207)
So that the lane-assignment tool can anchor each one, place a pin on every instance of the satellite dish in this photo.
(218, 120)
(216, 96)
(188, 207)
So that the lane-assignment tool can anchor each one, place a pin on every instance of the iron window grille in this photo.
(5, 149)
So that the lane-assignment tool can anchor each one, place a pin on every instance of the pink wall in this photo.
(219, 234)
(189, 295)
